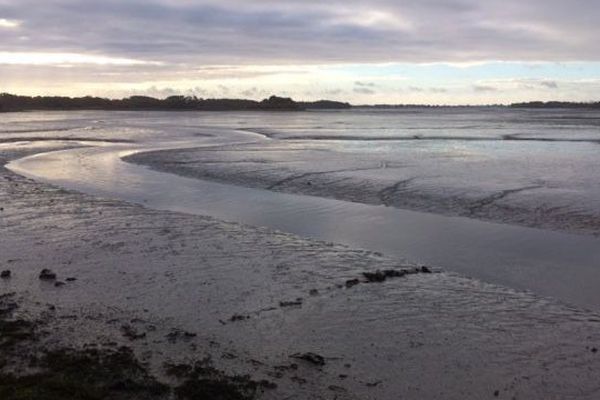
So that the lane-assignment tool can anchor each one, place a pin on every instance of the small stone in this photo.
(293, 303)
(352, 282)
(71, 279)
(312, 358)
(394, 273)
(131, 333)
(496, 393)
(425, 270)
(267, 384)
(594, 350)
(376, 276)
(5, 274)
(59, 284)
(47, 275)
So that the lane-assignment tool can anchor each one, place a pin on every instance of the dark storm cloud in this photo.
(270, 31)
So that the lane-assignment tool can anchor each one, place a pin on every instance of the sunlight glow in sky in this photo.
(63, 59)
(8, 23)
(378, 51)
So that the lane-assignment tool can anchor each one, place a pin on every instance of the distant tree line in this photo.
(10, 102)
(556, 104)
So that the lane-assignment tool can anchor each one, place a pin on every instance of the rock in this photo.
(380, 276)
(313, 292)
(352, 282)
(298, 380)
(376, 276)
(5, 274)
(177, 334)
(310, 357)
(294, 303)
(238, 317)
(59, 284)
(394, 273)
(47, 275)
(267, 384)
(496, 393)
(131, 333)
(71, 279)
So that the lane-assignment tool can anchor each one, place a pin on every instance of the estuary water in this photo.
(463, 172)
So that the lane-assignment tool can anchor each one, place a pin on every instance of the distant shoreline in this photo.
(16, 103)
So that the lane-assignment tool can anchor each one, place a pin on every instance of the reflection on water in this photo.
(549, 263)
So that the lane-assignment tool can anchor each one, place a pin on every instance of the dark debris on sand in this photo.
(310, 357)
(202, 381)
(47, 275)
(382, 275)
(29, 371)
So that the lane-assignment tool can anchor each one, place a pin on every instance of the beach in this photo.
(307, 318)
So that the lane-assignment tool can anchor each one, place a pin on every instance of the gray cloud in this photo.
(279, 31)
(549, 84)
(484, 88)
(250, 92)
(224, 89)
(363, 90)
(364, 84)
(438, 90)
(333, 92)
(418, 89)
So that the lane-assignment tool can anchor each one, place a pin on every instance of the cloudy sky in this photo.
(376, 51)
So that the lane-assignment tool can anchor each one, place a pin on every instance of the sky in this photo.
(364, 52)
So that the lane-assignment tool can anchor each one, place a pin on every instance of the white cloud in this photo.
(9, 23)
(66, 59)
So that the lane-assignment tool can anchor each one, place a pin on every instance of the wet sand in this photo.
(254, 297)
(496, 184)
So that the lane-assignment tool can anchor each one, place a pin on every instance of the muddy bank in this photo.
(308, 319)
(506, 190)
